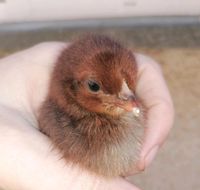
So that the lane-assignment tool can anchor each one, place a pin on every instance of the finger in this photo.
(153, 91)
(28, 66)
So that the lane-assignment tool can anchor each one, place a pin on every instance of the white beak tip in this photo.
(136, 111)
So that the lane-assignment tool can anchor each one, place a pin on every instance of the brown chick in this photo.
(88, 110)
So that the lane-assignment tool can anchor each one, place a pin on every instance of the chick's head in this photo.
(99, 75)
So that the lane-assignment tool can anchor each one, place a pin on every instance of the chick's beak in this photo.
(127, 102)
(126, 98)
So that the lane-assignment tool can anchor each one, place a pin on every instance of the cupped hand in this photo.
(154, 94)
(27, 160)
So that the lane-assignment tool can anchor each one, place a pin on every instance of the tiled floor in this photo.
(177, 49)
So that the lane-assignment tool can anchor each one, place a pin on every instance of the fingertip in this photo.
(160, 121)
(149, 157)
(143, 60)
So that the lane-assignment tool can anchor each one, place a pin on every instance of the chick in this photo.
(91, 112)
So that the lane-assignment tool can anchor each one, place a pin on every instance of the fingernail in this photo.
(150, 155)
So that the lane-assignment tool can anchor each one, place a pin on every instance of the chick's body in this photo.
(87, 112)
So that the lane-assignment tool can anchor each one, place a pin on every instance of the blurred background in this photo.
(168, 31)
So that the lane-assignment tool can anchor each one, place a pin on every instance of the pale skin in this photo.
(27, 161)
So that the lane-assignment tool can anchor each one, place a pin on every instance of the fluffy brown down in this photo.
(90, 127)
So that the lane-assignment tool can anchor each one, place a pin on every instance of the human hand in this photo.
(27, 160)
(154, 94)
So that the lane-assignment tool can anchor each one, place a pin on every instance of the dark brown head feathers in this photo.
(92, 58)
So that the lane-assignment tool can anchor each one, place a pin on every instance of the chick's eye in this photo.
(93, 86)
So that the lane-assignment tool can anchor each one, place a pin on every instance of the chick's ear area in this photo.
(70, 86)
(74, 85)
